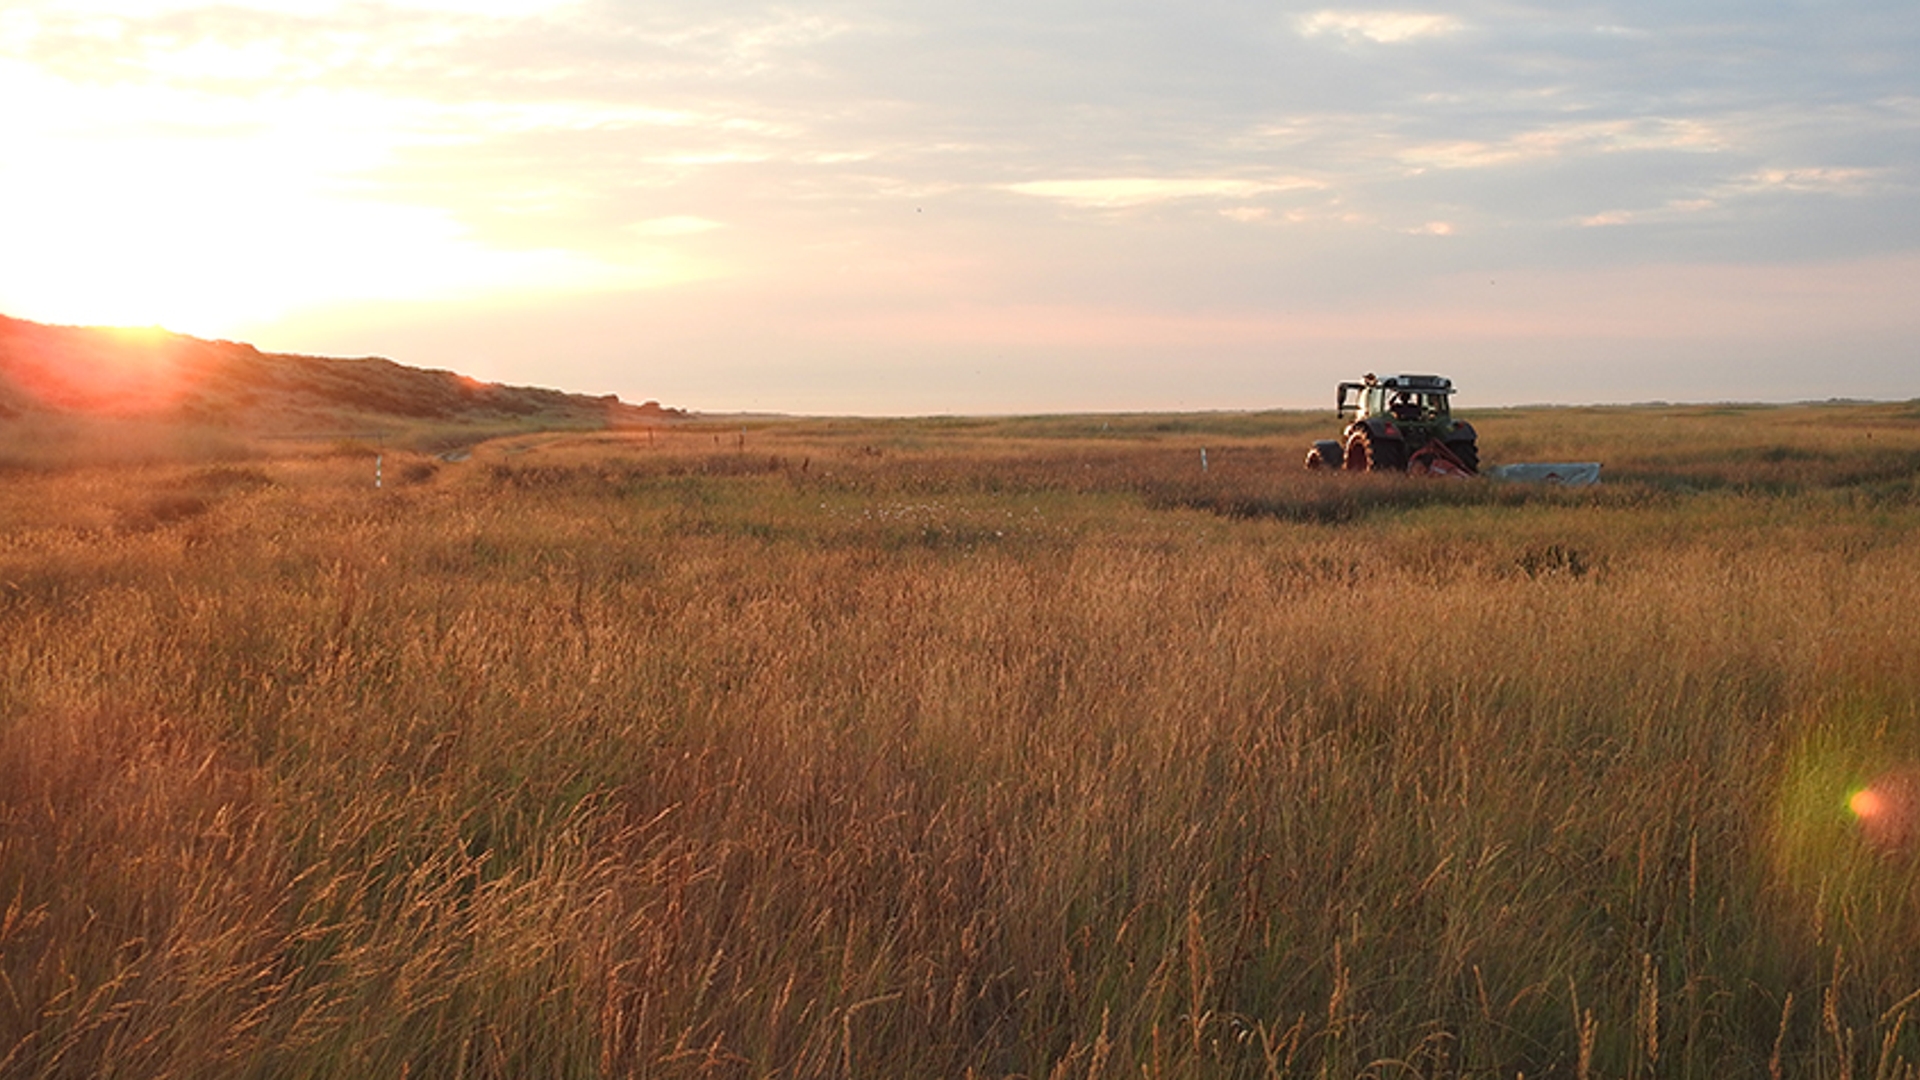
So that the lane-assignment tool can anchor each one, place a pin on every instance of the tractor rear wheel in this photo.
(1365, 454)
(1468, 451)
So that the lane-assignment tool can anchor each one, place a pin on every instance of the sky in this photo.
(884, 207)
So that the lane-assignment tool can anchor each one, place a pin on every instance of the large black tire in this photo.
(1366, 454)
(1468, 451)
(1325, 454)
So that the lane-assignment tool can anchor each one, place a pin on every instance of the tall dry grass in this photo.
(952, 748)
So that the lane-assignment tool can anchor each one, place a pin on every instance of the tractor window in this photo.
(1411, 406)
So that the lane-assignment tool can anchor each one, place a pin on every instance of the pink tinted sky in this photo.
(874, 207)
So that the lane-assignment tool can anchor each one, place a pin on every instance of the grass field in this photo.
(951, 748)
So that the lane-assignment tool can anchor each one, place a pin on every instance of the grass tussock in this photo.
(998, 748)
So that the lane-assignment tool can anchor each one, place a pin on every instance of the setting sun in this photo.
(119, 371)
(205, 214)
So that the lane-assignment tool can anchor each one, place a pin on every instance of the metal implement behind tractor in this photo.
(1400, 423)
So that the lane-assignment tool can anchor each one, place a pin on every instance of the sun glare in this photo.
(200, 249)
(112, 371)
(144, 206)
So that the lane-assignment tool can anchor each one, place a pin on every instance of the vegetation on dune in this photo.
(950, 748)
(97, 395)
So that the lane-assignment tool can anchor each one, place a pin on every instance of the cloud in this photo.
(1814, 180)
(677, 225)
(1122, 192)
(1380, 27)
(1566, 139)
(1760, 183)
(307, 9)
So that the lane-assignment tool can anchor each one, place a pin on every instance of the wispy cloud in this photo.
(1760, 183)
(1120, 192)
(677, 225)
(1381, 27)
(1810, 180)
(1568, 139)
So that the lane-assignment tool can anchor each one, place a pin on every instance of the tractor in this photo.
(1399, 424)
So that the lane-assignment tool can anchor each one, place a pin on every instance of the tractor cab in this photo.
(1409, 399)
(1397, 423)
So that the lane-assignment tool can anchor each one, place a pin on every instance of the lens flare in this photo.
(1866, 803)
(1843, 839)
(1887, 810)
